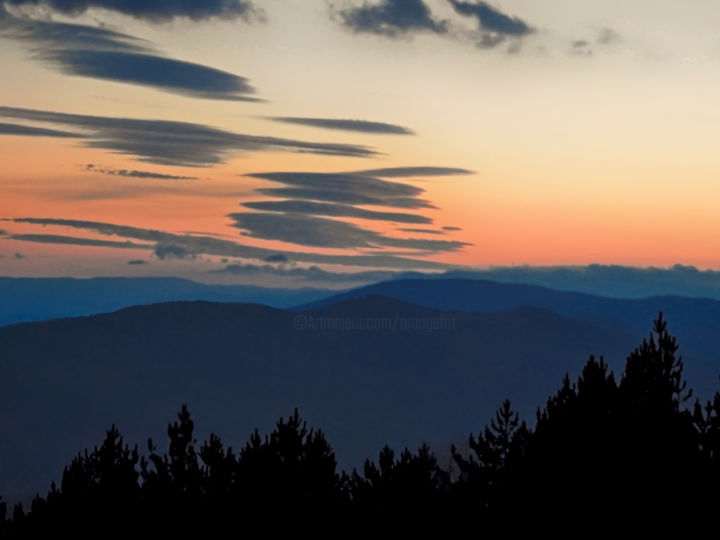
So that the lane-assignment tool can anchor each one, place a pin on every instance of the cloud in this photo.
(421, 231)
(328, 233)
(392, 18)
(137, 262)
(346, 197)
(494, 25)
(165, 142)
(312, 273)
(173, 251)
(100, 53)
(362, 126)
(277, 258)
(29, 131)
(152, 10)
(225, 248)
(19, 255)
(334, 210)
(315, 197)
(75, 241)
(581, 47)
(400, 172)
(347, 188)
(451, 228)
(134, 174)
(176, 76)
(3, 232)
(607, 36)
(492, 19)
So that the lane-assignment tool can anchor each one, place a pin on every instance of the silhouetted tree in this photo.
(661, 443)
(292, 470)
(172, 481)
(410, 490)
(485, 473)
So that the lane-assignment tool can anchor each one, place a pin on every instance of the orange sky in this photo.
(585, 146)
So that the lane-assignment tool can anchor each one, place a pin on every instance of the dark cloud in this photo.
(152, 10)
(362, 126)
(608, 36)
(301, 219)
(421, 231)
(3, 232)
(581, 47)
(392, 18)
(173, 143)
(29, 131)
(345, 197)
(451, 228)
(19, 255)
(173, 251)
(492, 19)
(137, 262)
(401, 172)
(334, 210)
(347, 188)
(75, 241)
(176, 76)
(134, 174)
(494, 25)
(321, 232)
(99, 53)
(312, 273)
(277, 258)
(225, 248)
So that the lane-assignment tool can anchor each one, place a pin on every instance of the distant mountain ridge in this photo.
(37, 299)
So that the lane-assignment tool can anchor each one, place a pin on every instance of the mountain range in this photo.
(397, 363)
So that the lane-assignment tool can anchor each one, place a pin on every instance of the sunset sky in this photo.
(270, 141)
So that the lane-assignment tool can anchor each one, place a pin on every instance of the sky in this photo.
(291, 142)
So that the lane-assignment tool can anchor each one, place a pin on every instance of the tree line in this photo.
(602, 448)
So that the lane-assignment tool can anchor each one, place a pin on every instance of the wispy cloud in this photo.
(100, 53)
(30, 131)
(348, 188)
(493, 25)
(152, 10)
(392, 18)
(315, 197)
(167, 142)
(110, 171)
(75, 241)
(362, 126)
(420, 231)
(205, 245)
(607, 36)
(328, 233)
(401, 172)
(333, 210)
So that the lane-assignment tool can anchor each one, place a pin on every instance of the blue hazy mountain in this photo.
(694, 321)
(369, 372)
(37, 299)
(606, 280)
